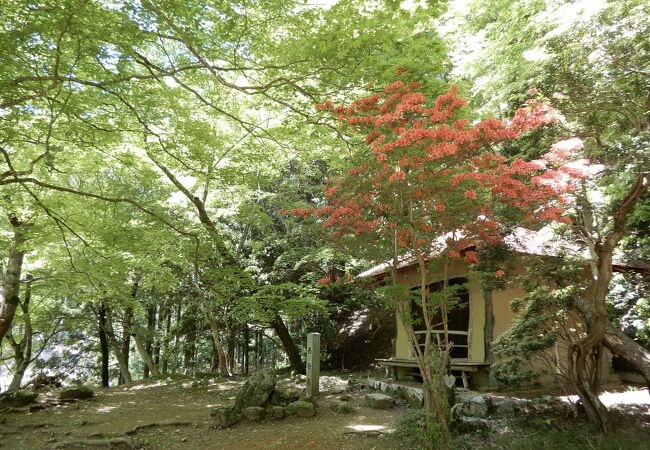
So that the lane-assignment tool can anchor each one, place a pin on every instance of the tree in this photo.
(593, 60)
(431, 188)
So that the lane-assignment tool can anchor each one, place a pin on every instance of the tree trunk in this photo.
(245, 344)
(297, 365)
(165, 350)
(126, 339)
(160, 335)
(140, 344)
(22, 350)
(190, 347)
(151, 324)
(214, 360)
(11, 280)
(214, 328)
(232, 343)
(103, 345)
(620, 344)
(118, 350)
(584, 356)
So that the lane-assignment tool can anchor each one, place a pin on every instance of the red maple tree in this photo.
(429, 182)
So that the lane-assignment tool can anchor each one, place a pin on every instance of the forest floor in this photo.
(175, 414)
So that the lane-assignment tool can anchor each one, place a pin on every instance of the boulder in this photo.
(379, 401)
(465, 424)
(225, 417)
(43, 380)
(278, 412)
(253, 413)
(413, 395)
(256, 391)
(17, 399)
(301, 409)
(508, 407)
(283, 395)
(341, 407)
(479, 406)
(76, 393)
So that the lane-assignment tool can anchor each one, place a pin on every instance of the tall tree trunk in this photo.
(118, 350)
(159, 335)
(22, 350)
(214, 359)
(165, 350)
(140, 344)
(11, 280)
(151, 323)
(585, 355)
(245, 344)
(232, 343)
(258, 356)
(126, 341)
(214, 328)
(103, 345)
(290, 347)
(190, 344)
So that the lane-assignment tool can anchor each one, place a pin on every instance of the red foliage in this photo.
(428, 173)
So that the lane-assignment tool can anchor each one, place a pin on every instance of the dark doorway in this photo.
(457, 316)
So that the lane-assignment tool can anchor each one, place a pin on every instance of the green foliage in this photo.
(419, 429)
(542, 317)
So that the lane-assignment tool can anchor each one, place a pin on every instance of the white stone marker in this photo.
(313, 363)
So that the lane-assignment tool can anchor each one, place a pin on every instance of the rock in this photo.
(355, 384)
(341, 407)
(301, 409)
(42, 380)
(414, 396)
(254, 413)
(479, 406)
(256, 391)
(36, 407)
(278, 412)
(379, 401)
(225, 417)
(17, 399)
(450, 388)
(283, 395)
(77, 393)
(508, 407)
(300, 378)
(465, 424)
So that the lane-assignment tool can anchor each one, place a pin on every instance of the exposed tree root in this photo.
(165, 423)
(365, 432)
(121, 442)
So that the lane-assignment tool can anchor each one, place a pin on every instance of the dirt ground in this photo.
(180, 411)
(175, 414)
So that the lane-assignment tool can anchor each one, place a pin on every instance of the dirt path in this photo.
(181, 412)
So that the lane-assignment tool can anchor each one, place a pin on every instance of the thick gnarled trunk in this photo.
(584, 355)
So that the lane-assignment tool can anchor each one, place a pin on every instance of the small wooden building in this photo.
(480, 319)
